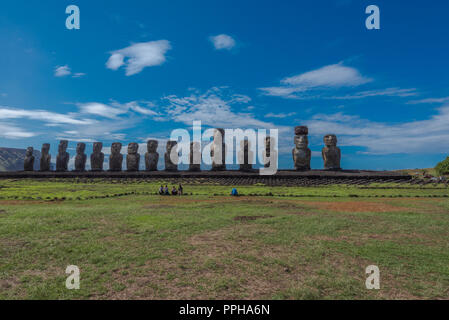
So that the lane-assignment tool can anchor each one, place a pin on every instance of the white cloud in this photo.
(99, 109)
(222, 42)
(115, 109)
(62, 71)
(42, 115)
(139, 56)
(327, 77)
(336, 75)
(279, 115)
(421, 136)
(8, 131)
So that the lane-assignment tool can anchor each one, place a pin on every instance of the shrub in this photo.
(442, 168)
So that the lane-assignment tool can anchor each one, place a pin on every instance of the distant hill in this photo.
(12, 159)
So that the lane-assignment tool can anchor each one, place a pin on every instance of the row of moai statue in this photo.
(302, 155)
(96, 158)
(133, 157)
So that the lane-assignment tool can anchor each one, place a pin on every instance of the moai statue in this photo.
(218, 151)
(28, 164)
(245, 156)
(331, 153)
(151, 157)
(63, 157)
(80, 159)
(171, 156)
(133, 157)
(116, 158)
(301, 153)
(195, 156)
(97, 157)
(270, 152)
(45, 157)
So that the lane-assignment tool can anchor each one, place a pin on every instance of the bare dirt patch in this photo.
(8, 284)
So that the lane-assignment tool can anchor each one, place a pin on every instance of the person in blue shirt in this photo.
(234, 192)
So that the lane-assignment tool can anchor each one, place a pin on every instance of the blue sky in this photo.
(139, 70)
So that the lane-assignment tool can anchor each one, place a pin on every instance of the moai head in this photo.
(330, 140)
(152, 146)
(301, 142)
(97, 147)
(133, 148)
(116, 147)
(270, 144)
(267, 143)
(170, 145)
(29, 151)
(62, 148)
(301, 130)
(45, 148)
(80, 148)
(219, 135)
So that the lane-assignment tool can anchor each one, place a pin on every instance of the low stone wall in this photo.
(282, 174)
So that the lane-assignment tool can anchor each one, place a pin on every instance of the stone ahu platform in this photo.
(287, 175)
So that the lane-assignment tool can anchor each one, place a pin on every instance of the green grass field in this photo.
(269, 243)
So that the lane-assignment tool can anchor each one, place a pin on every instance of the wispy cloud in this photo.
(279, 115)
(214, 108)
(327, 77)
(390, 92)
(78, 75)
(430, 100)
(8, 131)
(139, 56)
(43, 115)
(222, 42)
(115, 109)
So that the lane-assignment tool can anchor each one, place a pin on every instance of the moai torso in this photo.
(28, 164)
(171, 156)
(245, 156)
(97, 157)
(63, 157)
(270, 153)
(218, 151)
(331, 153)
(151, 157)
(133, 157)
(116, 158)
(195, 156)
(45, 157)
(301, 153)
(80, 159)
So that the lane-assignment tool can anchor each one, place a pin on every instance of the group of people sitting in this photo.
(164, 191)
(174, 192)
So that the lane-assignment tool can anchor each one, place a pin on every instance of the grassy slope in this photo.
(201, 246)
